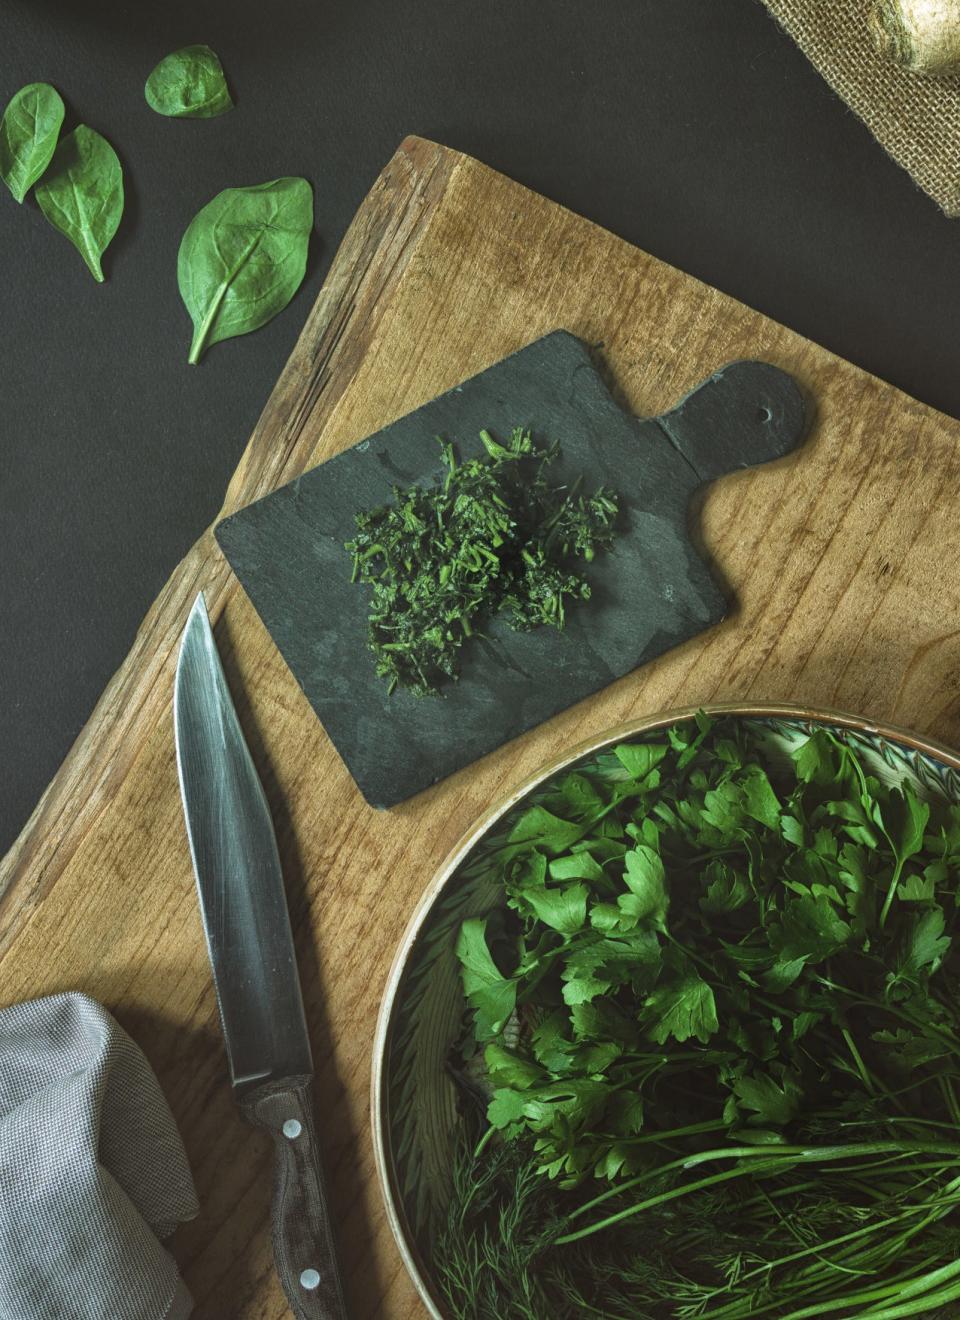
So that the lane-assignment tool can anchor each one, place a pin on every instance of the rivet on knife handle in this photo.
(303, 1244)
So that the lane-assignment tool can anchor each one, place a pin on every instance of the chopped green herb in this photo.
(494, 537)
(717, 1025)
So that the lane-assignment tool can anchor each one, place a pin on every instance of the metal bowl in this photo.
(414, 1110)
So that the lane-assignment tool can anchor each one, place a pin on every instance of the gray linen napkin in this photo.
(92, 1170)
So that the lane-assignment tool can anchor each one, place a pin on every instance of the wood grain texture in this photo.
(845, 559)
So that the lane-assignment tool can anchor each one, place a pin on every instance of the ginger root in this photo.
(921, 35)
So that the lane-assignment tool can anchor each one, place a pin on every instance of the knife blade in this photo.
(247, 927)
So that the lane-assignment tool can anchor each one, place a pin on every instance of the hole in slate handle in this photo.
(747, 413)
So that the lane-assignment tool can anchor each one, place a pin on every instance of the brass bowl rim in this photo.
(383, 1157)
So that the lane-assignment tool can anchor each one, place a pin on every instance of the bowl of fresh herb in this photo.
(675, 1033)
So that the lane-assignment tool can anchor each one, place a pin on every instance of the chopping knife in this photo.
(247, 927)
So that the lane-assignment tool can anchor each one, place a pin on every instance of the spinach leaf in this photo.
(82, 194)
(242, 259)
(28, 136)
(189, 84)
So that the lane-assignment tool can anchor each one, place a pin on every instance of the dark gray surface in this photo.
(650, 592)
(693, 128)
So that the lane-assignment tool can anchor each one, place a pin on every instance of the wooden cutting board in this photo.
(844, 559)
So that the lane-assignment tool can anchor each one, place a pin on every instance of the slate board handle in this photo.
(303, 1245)
(747, 413)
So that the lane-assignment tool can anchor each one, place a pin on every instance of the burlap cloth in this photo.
(915, 117)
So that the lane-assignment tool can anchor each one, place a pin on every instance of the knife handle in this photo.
(303, 1245)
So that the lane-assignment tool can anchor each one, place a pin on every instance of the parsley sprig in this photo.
(493, 537)
(719, 1033)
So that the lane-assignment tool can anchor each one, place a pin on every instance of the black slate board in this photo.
(650, 592)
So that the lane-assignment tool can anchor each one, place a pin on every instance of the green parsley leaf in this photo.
(542, 829)
(507, 1068)
(774, 1103)
(646, 880)
(727, 890)
(505, 1107)
(925, 945)
(681, 1009)
(576, 866)
(809, 928)
(816, 759)
(563, 910)
(639, 759)
(493, 995)
(760, 801)
(916, 889)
